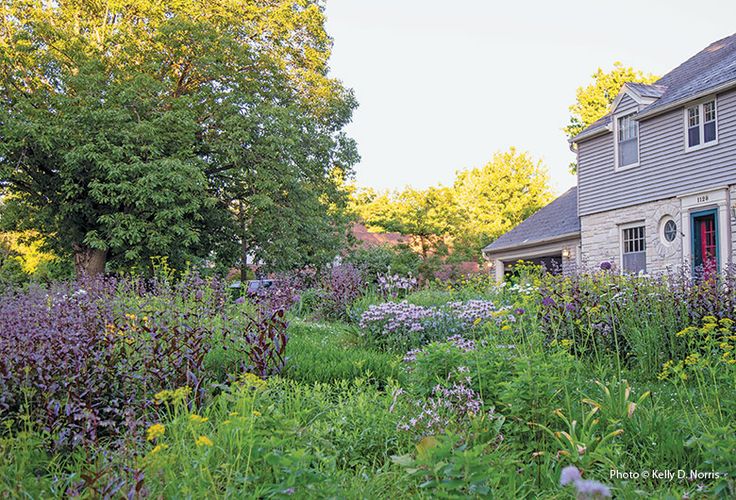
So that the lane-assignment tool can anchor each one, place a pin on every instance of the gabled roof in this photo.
(707, 71)
(553, 221)
(641, 93)
(652, 91)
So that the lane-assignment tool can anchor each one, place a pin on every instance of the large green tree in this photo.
(427, 215)
(134, 128)
(593, 101)
(496, 197)
(482, 204)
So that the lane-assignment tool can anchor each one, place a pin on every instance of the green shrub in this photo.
(379, 260)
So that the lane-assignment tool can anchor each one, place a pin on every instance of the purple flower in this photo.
(240, 300)
(586, 489)
(589, 489)
(570, 474)
(519, 311)
(606, 265)
(548, 301)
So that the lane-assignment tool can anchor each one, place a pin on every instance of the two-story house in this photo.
(657, 175)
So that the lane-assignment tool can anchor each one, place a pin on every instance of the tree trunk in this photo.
(243, 249)
(89, 261)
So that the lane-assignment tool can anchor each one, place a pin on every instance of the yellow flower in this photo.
(505, 328)
(158, 448)
(726, 322)
(725, 346)
(253, 381)
(665, 373)
(226, 422)
(477, 321)
(203, 441)
(197, 419)
(155, 431)
(256, 413)
(162, 396)
(692, 359)
(232, 414)
(686, 331)
(566, 343)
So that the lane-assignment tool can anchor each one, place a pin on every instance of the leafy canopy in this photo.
(130, 128)
(495, 198)
(592, 102)
(482, 204)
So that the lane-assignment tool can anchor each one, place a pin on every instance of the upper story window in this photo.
(701, 124)
(627, 154)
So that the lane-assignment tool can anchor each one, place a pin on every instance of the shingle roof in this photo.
(368, 239)
(712, 67)
(559, 218)
(645, 90)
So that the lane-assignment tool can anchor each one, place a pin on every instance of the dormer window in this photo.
(627, 130)
(701, 124)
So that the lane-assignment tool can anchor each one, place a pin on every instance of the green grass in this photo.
(330, 352)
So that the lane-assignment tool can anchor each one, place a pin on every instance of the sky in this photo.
(442, 85)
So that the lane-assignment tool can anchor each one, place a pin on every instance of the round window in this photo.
(670, 231)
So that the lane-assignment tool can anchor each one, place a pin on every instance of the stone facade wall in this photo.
(570, 263)
(601, 236)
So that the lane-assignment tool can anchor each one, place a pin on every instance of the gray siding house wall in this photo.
(626, 105)
(665, 168)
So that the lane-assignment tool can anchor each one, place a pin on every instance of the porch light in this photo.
(566, 251)
(733, 210)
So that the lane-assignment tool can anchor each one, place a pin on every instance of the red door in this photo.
(704, 239)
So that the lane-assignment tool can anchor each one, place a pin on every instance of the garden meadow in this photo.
(358, 382)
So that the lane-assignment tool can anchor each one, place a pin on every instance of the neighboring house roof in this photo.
(555, 220)
(368, 239)
(708, 70)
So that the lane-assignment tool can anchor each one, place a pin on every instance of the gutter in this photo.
(530, 244)
(589, 135)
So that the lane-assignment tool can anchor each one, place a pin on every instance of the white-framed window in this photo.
(627, 141)
(633, 249)
(701, 125)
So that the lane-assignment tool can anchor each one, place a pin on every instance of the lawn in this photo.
(545, 387)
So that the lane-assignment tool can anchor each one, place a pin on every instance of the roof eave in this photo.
(530, 244)
(589, 135)
(680, 102)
